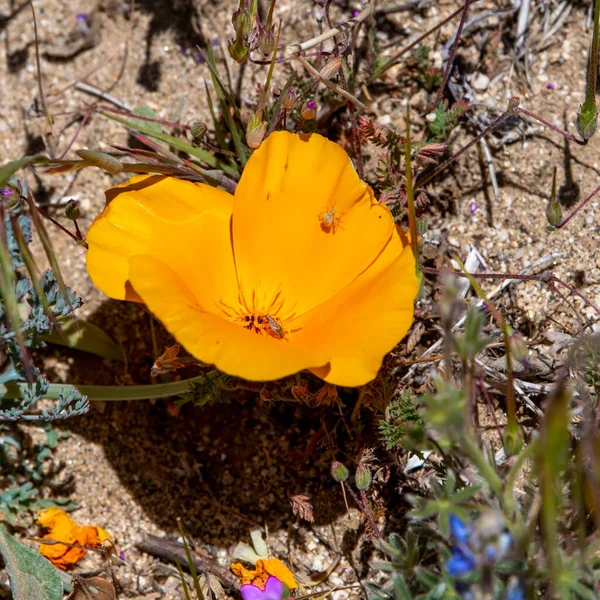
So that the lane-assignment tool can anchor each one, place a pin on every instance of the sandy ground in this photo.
(225, 469)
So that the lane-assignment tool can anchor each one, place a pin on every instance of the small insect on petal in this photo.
(275, 326)
(330, 220)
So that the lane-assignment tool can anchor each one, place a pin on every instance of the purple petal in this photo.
(273, 589)
(250, 591)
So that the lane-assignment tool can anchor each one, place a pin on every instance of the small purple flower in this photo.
(274, 590)
(472, 207)
(355, 13)
(311, 104)
(121, 555)
(550, 86)
(6, 192)
(81, 16)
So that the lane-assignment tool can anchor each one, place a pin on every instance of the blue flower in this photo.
(459, 529)
(462, 561)
(514, 591)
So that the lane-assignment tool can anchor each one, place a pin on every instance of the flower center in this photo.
(264, 325)
(262, 318)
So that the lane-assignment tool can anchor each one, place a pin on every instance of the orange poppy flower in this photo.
(265, 568)
(62, 528)
(300, 269)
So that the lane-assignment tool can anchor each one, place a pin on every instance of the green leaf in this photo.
(84, 336)
(32, 577)
(146, 111)
(176, 143)
(9, 169)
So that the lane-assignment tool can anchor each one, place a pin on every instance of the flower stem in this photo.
(97, 393)
(485, 469)
(410, 193)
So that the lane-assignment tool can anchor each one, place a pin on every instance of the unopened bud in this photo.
(239, 49)
(554, 213)
(309, 110)
(255, 132)
(331, 68)
(242, 22)
(301, 394)
(289, 99)
(513, 105)
(362, 477)
(198, 131)
(421, 226)
(339, 471)
(587, 120)
(72, 211)
(102, 160)
(518, 347)
(267, 42)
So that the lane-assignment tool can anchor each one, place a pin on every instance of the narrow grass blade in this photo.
(9, 169)
(47, 244)
(226, 102)
(186, 591)
(191, 565)
(198, 153)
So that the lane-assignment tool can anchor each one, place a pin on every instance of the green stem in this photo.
(97, 393)
(590, 90)
(410, 194)
(485, 469)
(509, 487)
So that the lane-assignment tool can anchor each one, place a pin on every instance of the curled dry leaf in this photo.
(92, 588)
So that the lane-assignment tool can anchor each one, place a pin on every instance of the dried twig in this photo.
(297, 49)
(175, 552)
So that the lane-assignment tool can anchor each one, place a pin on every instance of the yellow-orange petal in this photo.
(274, 567)
(281, 242)
(358, 326)
(185, 224)
(210, 338)
(103, 535)
(47, 517)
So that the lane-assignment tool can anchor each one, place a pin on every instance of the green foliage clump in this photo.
(400, 412)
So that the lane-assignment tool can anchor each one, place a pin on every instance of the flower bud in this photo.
(587, 120)
(266, 43)
(518, 347)
(339, 471)
(289, 99)
(198, 131)
(309, 110)
(242, 22)
(301, 394)
(72, 211)
(255, 131)
(239, 49)
(331, 68)
(554, 213)
(102, 160)
(513, 105)
(362, 477)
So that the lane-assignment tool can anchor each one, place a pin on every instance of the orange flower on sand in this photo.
(265, 568)
(64, 529)
(300, 269)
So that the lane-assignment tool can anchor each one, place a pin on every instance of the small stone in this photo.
(480, 82)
